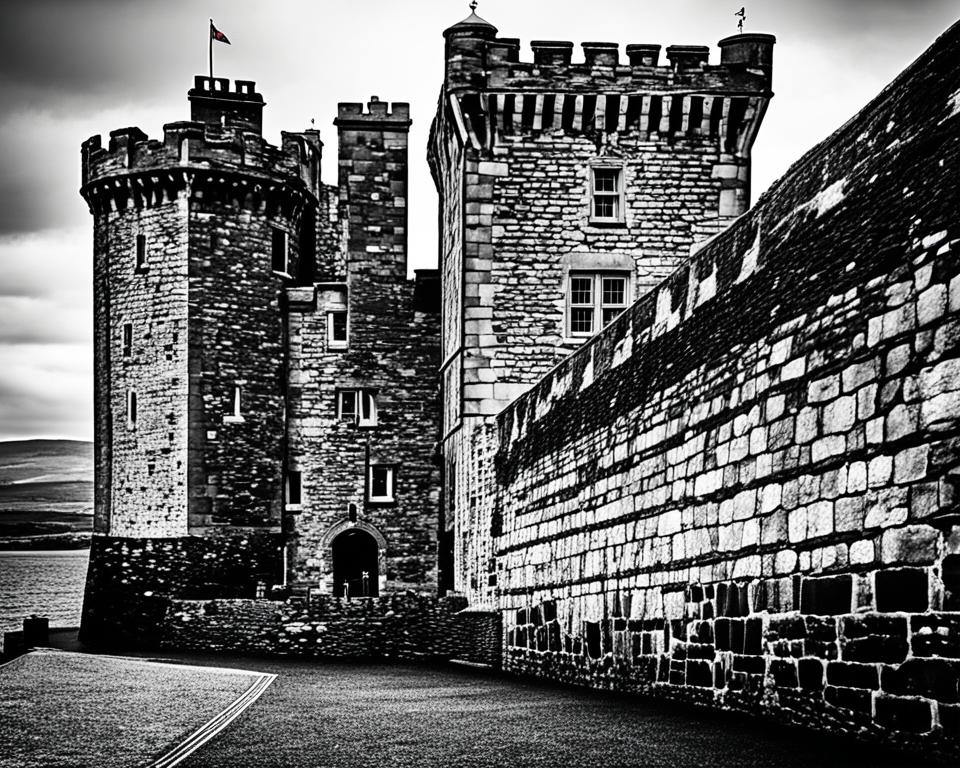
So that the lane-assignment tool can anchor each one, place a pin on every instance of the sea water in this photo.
(45, 583)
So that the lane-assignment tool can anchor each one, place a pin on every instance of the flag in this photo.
(216, 34)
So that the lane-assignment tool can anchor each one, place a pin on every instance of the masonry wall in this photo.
(147, 480)
(237, 339)
(130, 581)
(742, 493)
(392, 351)
(401, 626)
(513, 150)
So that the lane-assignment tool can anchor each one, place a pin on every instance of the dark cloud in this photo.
(73, 68)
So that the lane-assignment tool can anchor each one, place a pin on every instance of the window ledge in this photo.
(285, 275)
(381, 502)
(233, 419)
(293, 507)
(607, 223)
(337, 345)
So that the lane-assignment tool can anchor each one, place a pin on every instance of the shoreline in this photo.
(46, 542)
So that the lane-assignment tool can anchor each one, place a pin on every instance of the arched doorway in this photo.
(355, 555)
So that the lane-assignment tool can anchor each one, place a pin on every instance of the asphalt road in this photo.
(340, 715)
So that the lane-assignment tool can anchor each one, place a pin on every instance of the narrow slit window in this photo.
(131, 409)
(279, 260)
(127, 343)
(141, 263)
(381, 482)
(337, 329)
(293, 488)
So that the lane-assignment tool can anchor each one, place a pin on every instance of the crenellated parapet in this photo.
(492, 92)
(383, 114)
(226, 156)
(477, 59)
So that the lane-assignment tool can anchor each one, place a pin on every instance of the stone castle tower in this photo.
(568, 190)
(265, 372)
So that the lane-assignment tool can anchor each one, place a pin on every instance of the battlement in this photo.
(478, 60)
(352, 114)
(212, 101)
(228, 144)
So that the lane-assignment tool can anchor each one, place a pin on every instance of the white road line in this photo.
(216, 724)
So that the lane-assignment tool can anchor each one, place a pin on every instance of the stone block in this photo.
(839, 416)
(849, 698)
(898, 714)
(910, 464)
(861, 552)
(874, 638)
(902, 589)
(784, 673)
(826, 596)
(936, 634)
(855, 376)
(853, 675)
(810, 674)
(913, 544)
(932, 678)
(821, 390)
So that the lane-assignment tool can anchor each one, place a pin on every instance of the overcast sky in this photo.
(73, 68)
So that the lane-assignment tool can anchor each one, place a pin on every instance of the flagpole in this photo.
(210, 45)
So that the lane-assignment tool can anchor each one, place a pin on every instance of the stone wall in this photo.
(513, 151)
(401, 626)
(743, 492)
(131, 580)
(152, 301)
(391, 352)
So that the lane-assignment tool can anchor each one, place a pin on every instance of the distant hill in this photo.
(45, 461)
(46, 490)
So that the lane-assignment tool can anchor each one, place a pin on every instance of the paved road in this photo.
(344, 715)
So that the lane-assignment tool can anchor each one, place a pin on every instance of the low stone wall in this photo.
(130, 581)
(401, 626)
(745, 492)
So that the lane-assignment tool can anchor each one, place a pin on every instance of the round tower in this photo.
(195, 238)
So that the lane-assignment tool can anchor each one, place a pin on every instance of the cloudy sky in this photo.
(73, 68)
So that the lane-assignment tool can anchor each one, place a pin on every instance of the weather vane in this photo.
(742, 13)
(473, 6)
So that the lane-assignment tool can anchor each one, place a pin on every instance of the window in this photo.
(381, 482)
(357, 406)
(127, 343)
(293, 488)
(237, 415)
(141, 253)
(595, 299)
(606, 195)
(131, 408)
(337, 329)
(279, 258)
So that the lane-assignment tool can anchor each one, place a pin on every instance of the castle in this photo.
(651, 439)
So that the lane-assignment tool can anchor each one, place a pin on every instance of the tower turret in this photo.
(196, 237)
(569, 187)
